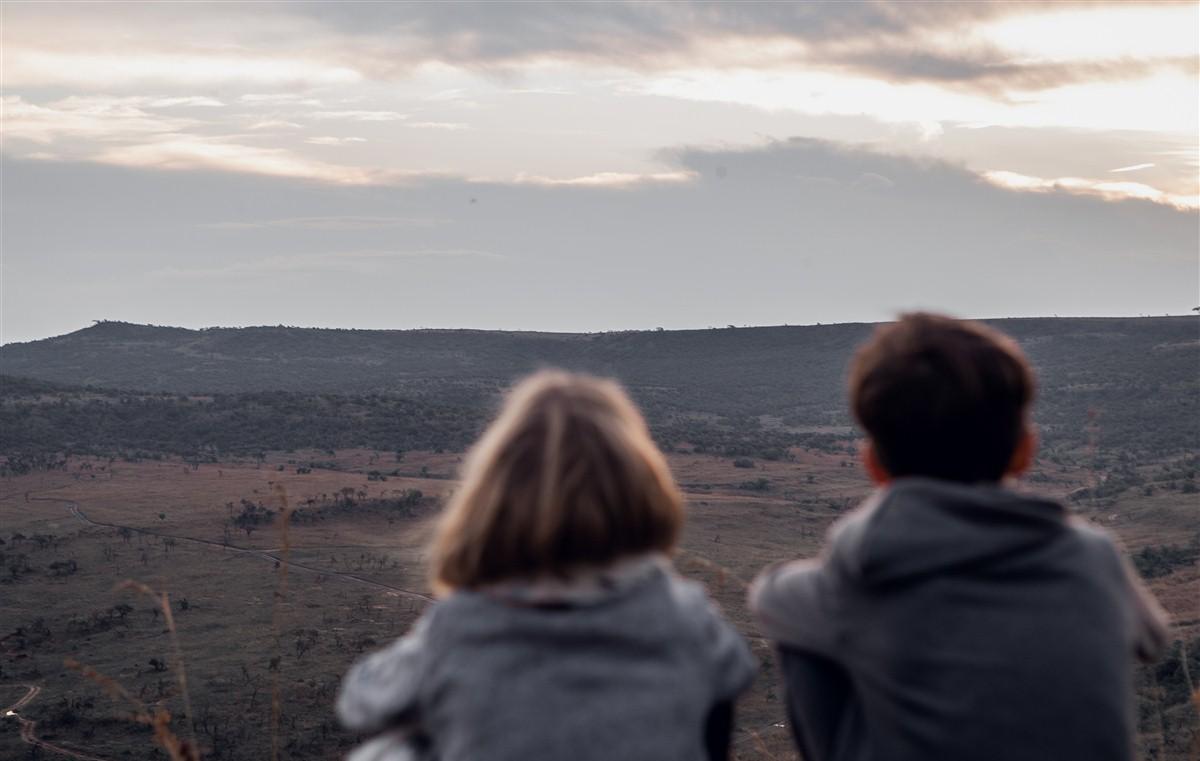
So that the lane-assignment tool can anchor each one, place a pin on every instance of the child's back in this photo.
(968, 622)
(561, 632)
(627, 665)
(951, 618)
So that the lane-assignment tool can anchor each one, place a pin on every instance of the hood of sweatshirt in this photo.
(918, 527)
(586, 587)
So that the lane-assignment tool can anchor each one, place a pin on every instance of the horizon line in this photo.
(655, 329)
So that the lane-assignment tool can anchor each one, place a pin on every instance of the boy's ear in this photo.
(1024, 454)
(870, 460)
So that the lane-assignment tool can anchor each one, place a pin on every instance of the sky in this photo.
(580, 166)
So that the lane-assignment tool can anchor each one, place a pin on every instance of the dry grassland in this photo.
(354, 580)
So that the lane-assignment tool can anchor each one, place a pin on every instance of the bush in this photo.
(1154, 562)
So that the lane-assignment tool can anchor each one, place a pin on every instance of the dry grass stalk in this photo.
(277, 615)
(158, 719)
(164, 603)
(760, 745)
(721, 573)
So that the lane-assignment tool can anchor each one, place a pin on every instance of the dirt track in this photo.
(29, 727)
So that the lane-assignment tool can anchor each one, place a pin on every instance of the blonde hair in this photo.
(566, 478)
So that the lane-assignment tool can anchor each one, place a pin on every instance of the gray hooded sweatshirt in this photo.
(623, 664)
(947, 621)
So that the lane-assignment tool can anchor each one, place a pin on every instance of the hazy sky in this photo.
(597, 166)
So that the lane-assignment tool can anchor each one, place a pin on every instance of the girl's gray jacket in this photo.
(626, 664)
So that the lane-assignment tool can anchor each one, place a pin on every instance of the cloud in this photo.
(76, 117)
(1133, 168)
(1164, 103)
(278, 98)
(359, 116)
(989, 46)
(790, 231)
(1100, 188)
(1064, 152)
(40, 67)
(500, 32)
(129, 130)
(121, 130)
(275, 124)
(185, 152)
(190, 101)
(450, 126)
(872, 181)
(639, 75)
(966, 45)
(328, 140)
(993, 71)
(606, 179)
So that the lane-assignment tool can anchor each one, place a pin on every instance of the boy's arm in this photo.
(820, 704)
(1151, 624)
(381, 690)
(796, 605)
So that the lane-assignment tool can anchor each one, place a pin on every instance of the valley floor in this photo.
(264, 614)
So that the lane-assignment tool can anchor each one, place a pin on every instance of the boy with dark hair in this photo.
(949, 617)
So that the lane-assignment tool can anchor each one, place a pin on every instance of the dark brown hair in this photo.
(566, 478)
(942, 398)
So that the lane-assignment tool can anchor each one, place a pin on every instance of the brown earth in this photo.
(256, 613)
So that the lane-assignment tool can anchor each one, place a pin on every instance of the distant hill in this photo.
(1128, 382)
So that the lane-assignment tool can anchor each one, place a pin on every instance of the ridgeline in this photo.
(1118, 383)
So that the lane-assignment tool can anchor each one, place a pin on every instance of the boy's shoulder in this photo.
(1100, 546)
(919, 526)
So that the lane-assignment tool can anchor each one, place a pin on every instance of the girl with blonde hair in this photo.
(561, 631)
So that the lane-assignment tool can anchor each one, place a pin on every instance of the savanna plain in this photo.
(161, 557)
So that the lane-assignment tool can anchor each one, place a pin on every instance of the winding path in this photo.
(29, 727)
